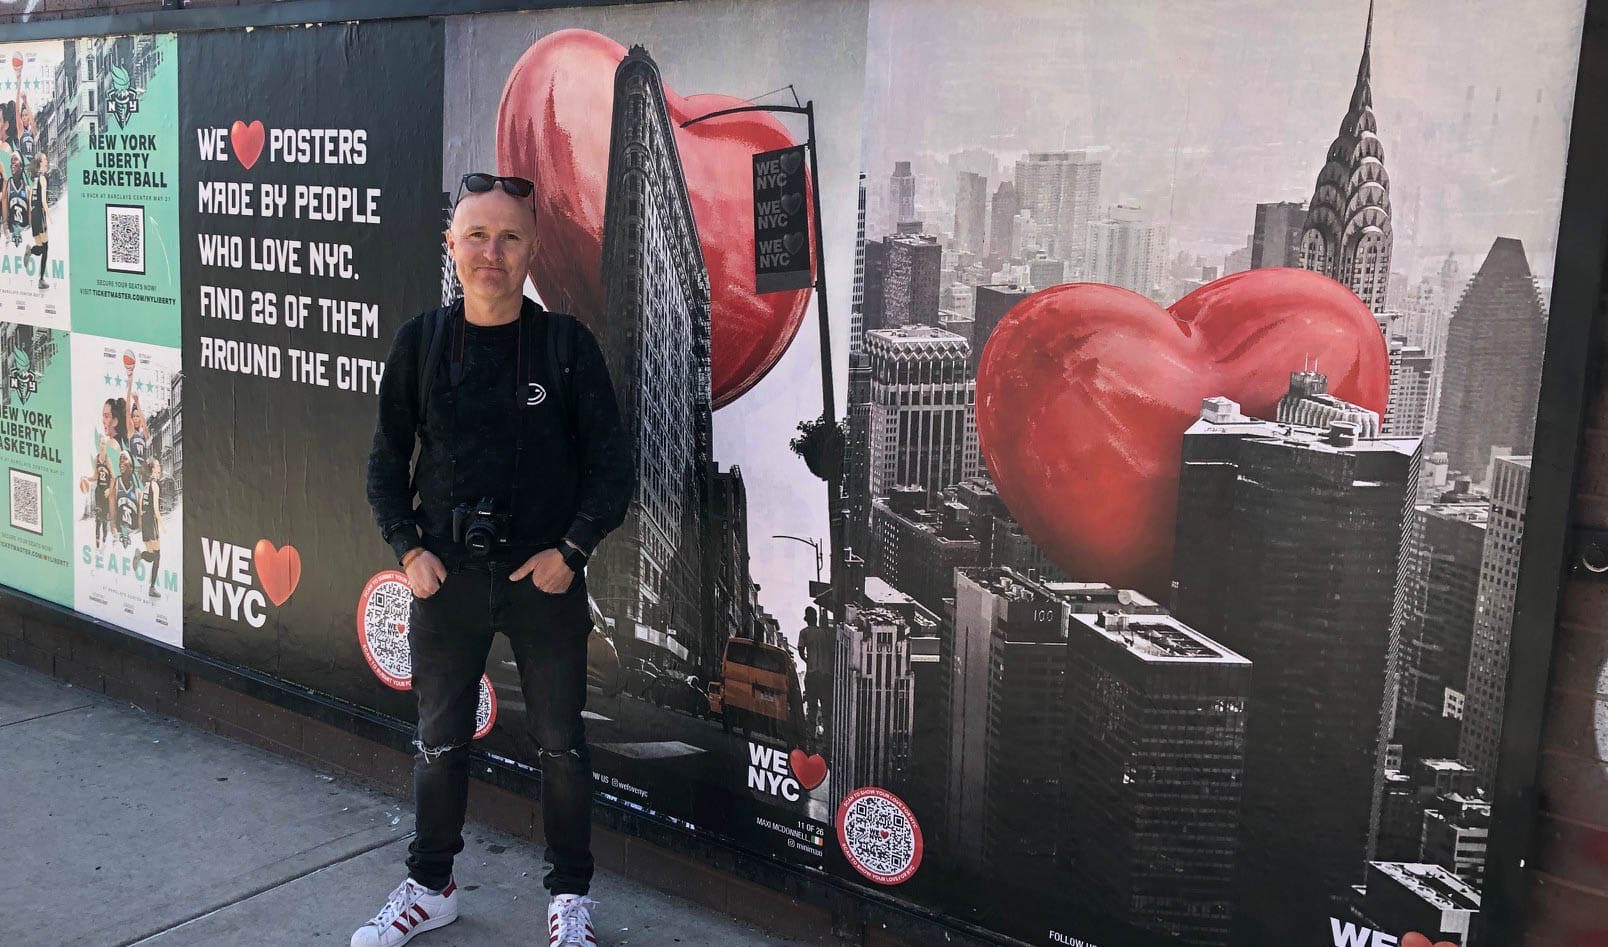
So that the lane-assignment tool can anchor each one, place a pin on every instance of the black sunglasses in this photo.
(480, 182)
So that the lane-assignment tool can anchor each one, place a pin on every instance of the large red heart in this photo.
(246, 142)
(279, 570)
(553, 127)
(1084, 392)
(809, 770)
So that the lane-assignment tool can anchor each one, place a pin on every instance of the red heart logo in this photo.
(553, 127)
(279, 570)
(1085, 390)
(810, 770)
(1415, 939)
(246, 142)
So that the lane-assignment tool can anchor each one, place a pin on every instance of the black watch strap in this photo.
(573, 557)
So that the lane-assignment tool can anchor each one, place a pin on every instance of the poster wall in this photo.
(36, 537)
(124, 184)
(1256, 334)
(38, 107)
(1184, 391)
(128, 455)
(309, 229)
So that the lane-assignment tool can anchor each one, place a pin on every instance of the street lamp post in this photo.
(814, 544)
(834, 473)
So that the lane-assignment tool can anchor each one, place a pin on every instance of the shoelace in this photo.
(401, 899)
(573, 916)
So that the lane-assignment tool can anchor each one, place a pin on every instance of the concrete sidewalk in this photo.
(122, 827)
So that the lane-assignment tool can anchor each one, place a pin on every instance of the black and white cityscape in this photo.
(1299, 737)
(1302, 739)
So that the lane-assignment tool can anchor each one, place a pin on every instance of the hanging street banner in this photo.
(781, 221)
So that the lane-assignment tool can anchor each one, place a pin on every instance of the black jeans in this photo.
(449, 638)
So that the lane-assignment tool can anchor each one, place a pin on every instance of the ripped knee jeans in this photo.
(449, 639)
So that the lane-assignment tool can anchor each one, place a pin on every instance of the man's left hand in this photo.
(547, 571)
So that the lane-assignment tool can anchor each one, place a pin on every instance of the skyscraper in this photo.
(911, 282)
(1435, 614)
(883, 680)
(1043, 272)
(1492, 378)
(1276, 239)
(1000, 215)
(1289, 540)
(655, 335)
(923, 409)
(1412, 896)
(1412, 381)
(1154, 769)
(1493, 618)
(1347, 235)
(856, 455)
(990, 304)
(1062, 190)
(1309, 404)
(728, 533)
(902, 192)
(857, 296)
(971, 212)
(1125, 249)
(916, 549)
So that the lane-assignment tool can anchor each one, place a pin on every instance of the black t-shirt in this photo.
(575, 477)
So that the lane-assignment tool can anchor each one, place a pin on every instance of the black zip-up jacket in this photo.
(577, 476)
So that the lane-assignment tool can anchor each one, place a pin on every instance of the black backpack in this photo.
(561, 331)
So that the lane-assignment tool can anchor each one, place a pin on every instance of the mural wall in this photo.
(1168, 479)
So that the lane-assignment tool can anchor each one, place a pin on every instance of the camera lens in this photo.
(478, 537)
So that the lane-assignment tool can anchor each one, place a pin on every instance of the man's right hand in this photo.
(425, 574)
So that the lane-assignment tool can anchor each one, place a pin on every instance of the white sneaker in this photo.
(569, 921)
(412, 909)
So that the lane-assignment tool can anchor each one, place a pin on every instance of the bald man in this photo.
(523, 468)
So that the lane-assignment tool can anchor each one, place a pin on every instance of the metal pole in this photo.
(835, 480)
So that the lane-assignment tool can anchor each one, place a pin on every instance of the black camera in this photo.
(480, 527)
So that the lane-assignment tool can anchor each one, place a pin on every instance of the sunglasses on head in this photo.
(480, 182)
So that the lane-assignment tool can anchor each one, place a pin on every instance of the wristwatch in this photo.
(573, 557)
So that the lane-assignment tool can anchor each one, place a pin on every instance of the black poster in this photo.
(781, 221)
(309, 163)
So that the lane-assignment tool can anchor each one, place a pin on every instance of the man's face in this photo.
(492, 243)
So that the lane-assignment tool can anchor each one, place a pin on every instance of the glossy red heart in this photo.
(1085, 390)
(553, 127)
(246, 142)
(279, 570)
(809, 770)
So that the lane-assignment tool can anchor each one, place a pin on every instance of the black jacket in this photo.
(576, 477)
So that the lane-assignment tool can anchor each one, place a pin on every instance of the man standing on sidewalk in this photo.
(523, 467)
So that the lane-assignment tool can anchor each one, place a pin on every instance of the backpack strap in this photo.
(561, 331)
(432, 340)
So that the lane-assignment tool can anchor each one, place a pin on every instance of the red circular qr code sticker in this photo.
(879, 835)
(382, 628)
(486, 710)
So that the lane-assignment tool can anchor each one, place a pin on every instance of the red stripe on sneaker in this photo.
(423, 914)
(400, 926)
(451, 887)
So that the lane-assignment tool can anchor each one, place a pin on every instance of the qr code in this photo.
(125, 238)
(27, 502)
(879, 836)
(383, 630)
(485, 709)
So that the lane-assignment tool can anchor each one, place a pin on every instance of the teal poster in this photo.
(123, 179)
(35, 458)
